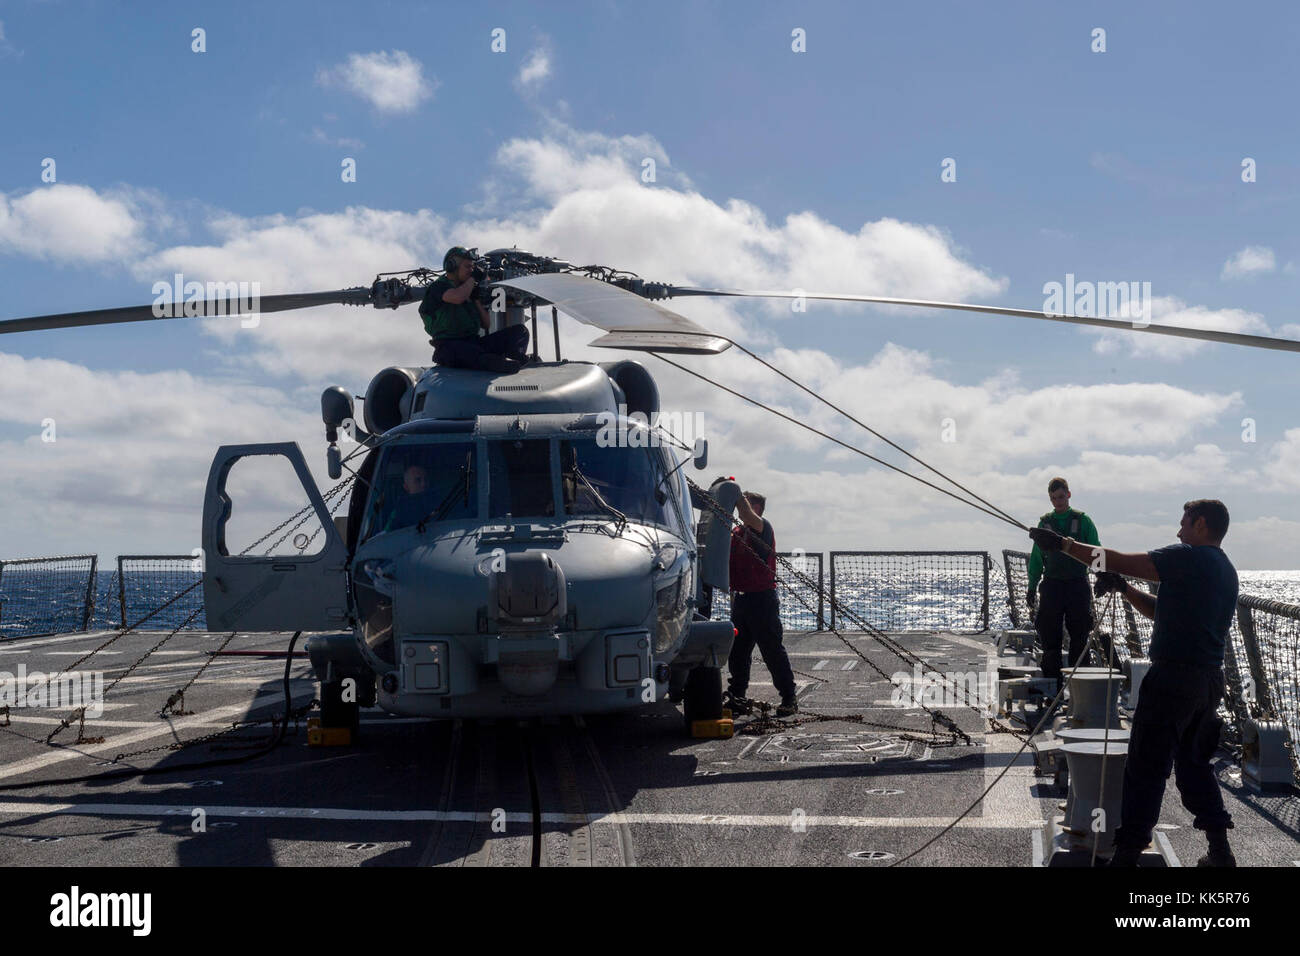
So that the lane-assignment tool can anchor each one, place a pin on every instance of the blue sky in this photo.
(1114, 166)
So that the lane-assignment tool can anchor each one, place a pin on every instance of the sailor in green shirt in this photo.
(453, 316)
(1066, 595)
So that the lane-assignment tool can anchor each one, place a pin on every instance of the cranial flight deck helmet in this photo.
(453, 254)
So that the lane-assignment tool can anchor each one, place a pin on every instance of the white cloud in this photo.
(318, 135)
(1283, 466)
(588, 205)
(131, 453)
(392, 82)
(69, 223)
(1169, 310)
(1248, 263)
(535, 70)
(579, 195)
(596, 208)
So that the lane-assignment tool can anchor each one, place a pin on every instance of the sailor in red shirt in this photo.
(755, 610)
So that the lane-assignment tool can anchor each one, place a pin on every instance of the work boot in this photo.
(739, 706)
(1126, 856)
(1220, 853)
(498, 363)
(789, 707)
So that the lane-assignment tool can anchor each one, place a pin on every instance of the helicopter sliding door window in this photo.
(427, 481)
(273, 558)
(519, 478)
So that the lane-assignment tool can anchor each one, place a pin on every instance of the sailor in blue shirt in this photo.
(1176, 725)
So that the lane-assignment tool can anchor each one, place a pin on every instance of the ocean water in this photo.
(41, 601)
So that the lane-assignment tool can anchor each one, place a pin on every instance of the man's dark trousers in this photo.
(511, 342)
(1176, 726)
(1063, 601)
(757, 616)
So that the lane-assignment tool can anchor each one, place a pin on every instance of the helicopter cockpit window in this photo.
(519, 478)
(433, 482)
(597, 479)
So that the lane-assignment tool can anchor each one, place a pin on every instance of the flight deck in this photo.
(860, 779)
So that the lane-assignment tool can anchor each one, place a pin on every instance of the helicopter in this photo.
(500, 557)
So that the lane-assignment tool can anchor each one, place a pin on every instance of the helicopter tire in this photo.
(335, 711)
(703, 695)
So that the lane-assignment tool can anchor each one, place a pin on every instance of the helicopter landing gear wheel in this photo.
(703, 693)
(335, 712)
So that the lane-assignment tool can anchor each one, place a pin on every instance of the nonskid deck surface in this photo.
(613, 790)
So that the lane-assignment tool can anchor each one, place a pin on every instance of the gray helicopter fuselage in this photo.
(514, 545)
(553, 455)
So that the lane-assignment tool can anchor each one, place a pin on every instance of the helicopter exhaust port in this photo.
(527, 599)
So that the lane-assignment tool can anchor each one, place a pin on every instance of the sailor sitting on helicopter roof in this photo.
(453, 316)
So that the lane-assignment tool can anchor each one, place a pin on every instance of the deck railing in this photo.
(912, 590)
(146, 581)
(41, 596)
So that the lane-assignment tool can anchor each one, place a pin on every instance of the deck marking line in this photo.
(470, 816)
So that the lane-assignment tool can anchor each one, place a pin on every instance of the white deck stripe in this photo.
(781, 820)
(1166, 849)
(14, 647)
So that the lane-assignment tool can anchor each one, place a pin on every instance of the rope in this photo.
(853, 448)
(762, 361)
(1047, 713)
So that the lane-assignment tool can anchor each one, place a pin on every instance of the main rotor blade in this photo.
(634, 322)
(231, 305)
(1128, 325)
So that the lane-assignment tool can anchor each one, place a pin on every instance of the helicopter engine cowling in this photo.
(527, 600)
(388, 398)
(639, 392)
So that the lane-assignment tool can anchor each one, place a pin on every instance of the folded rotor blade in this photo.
(632, 321)
(1130, 325)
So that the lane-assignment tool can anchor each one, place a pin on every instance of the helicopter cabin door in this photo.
(273, 557)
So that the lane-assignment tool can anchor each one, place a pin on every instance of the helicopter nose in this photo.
(527, 599)
(528, 594)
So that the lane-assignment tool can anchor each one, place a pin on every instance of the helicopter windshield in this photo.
(432, 482)
(519, 478)
(599, 480)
